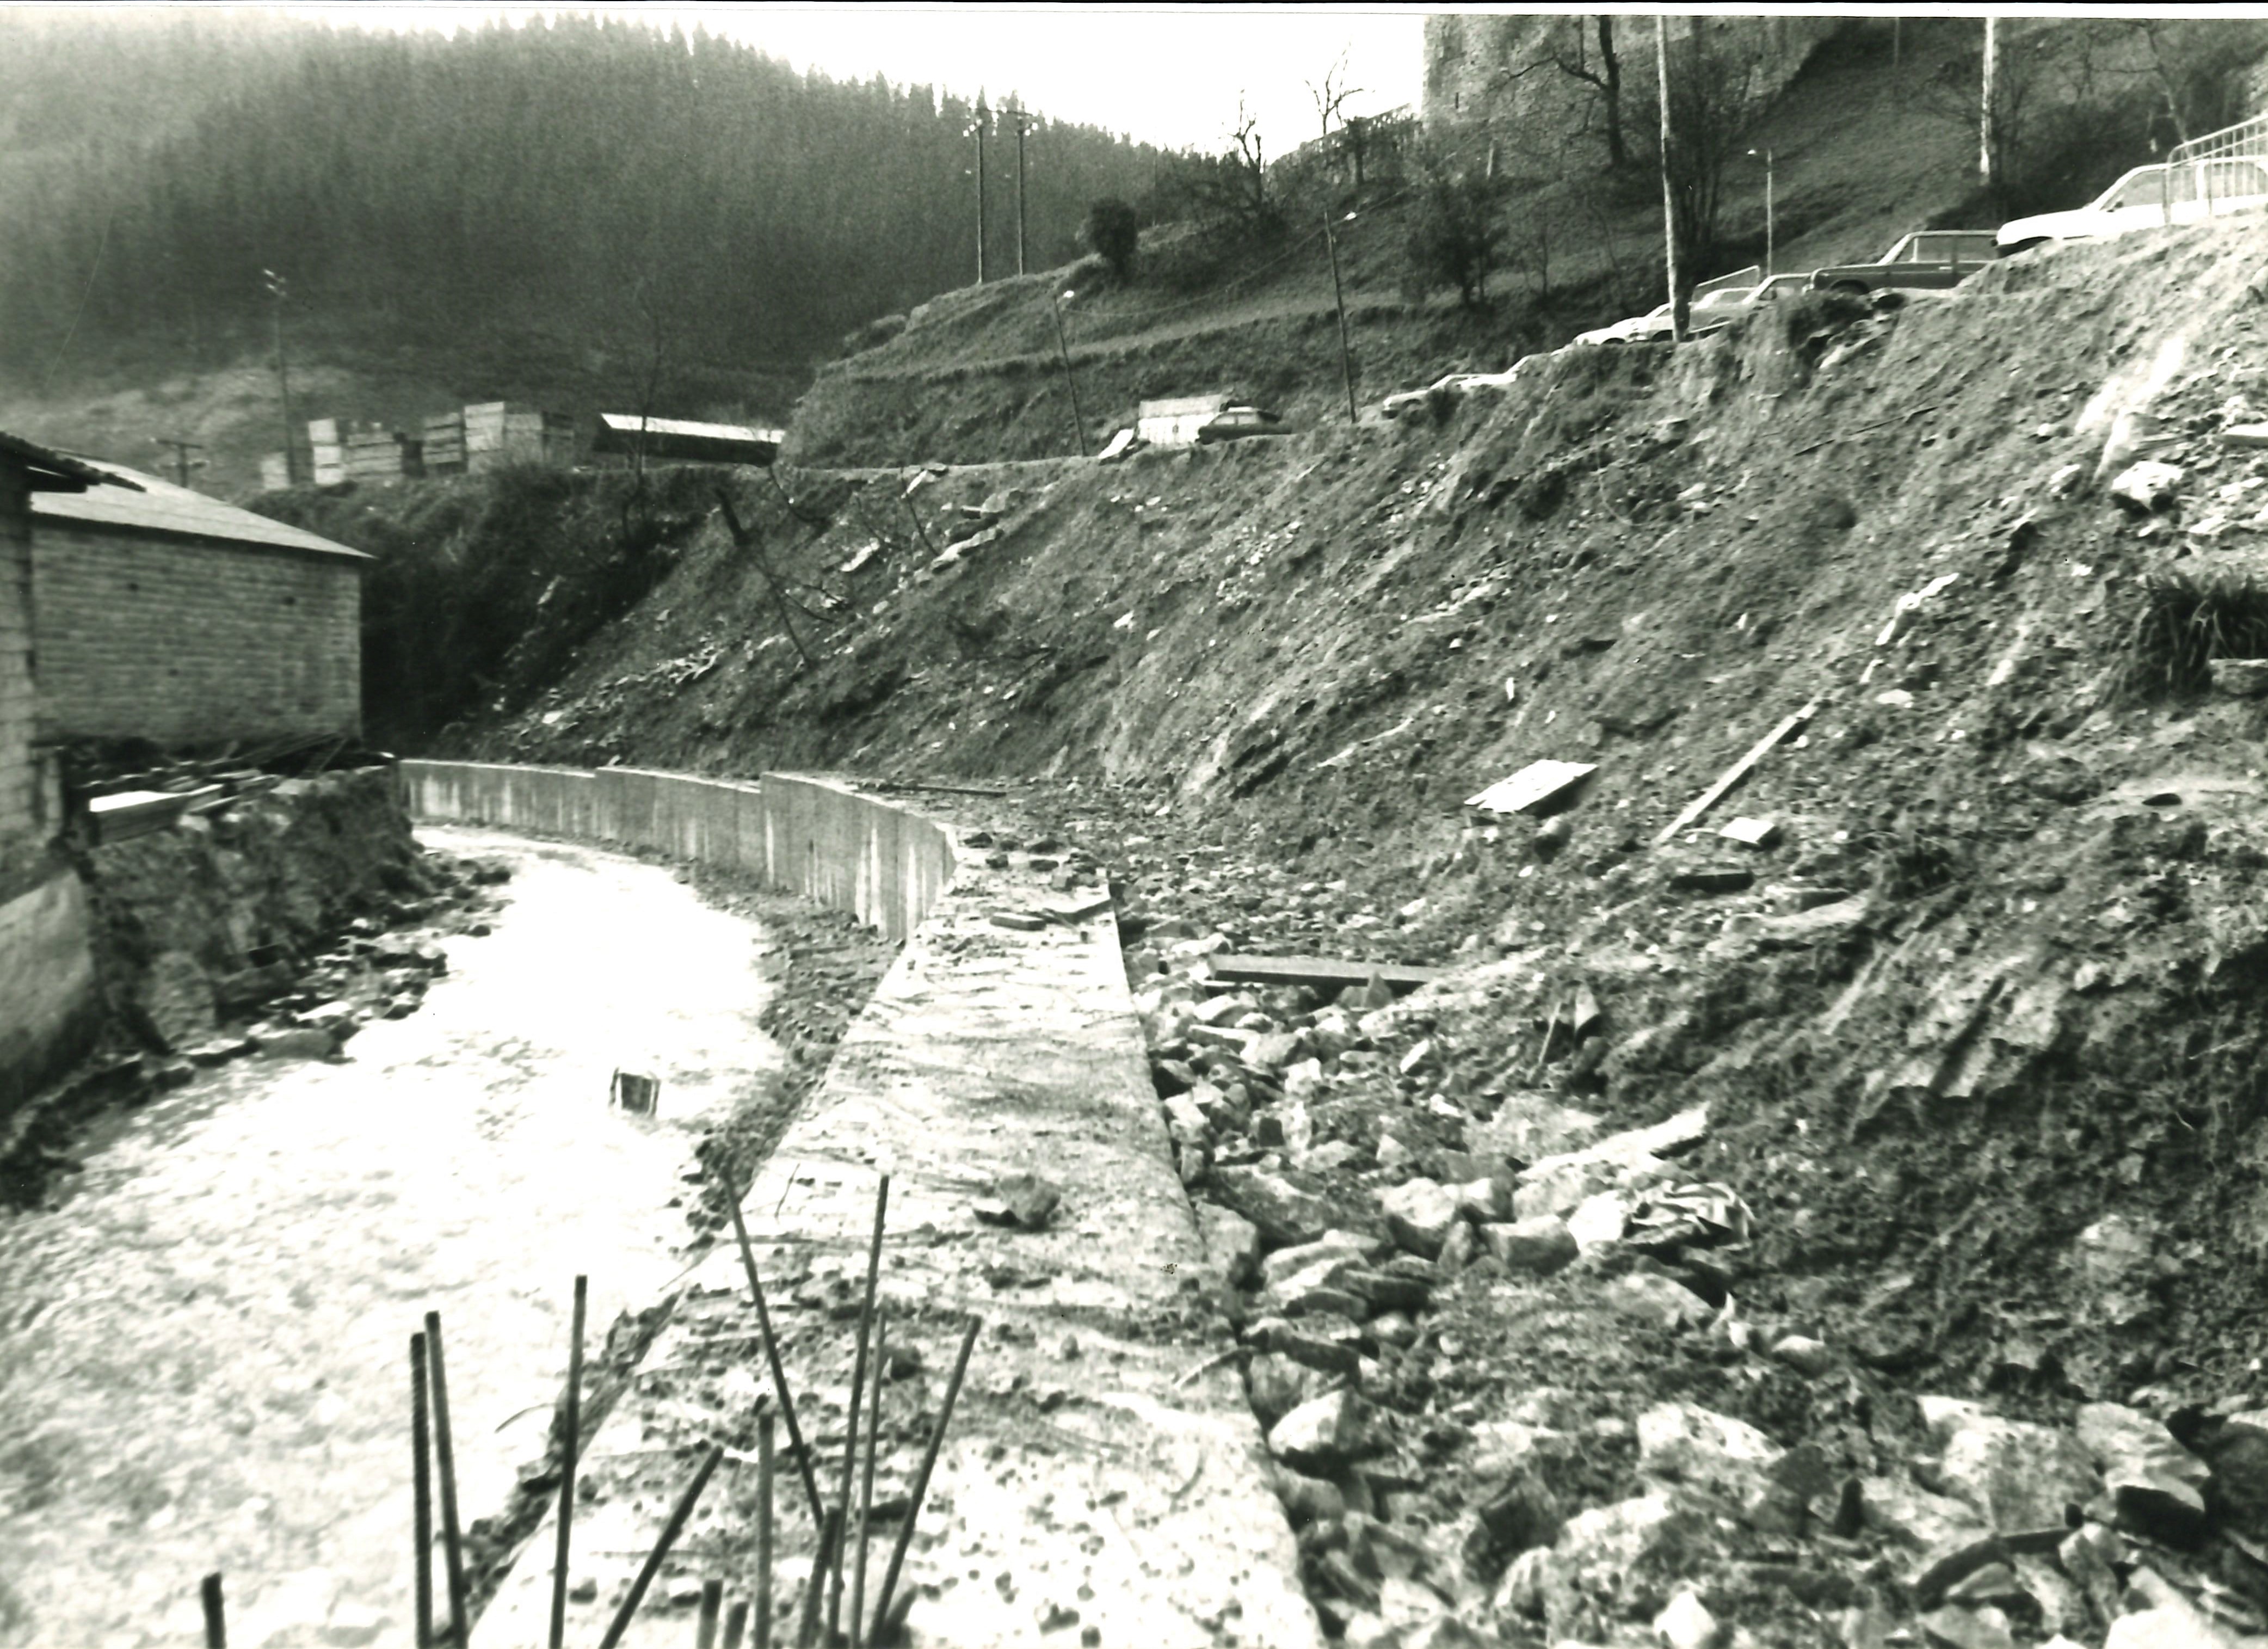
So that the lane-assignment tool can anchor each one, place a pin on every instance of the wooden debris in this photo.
(1754, 833)
(1535, 785)
(1735, 773)
(1322, 973)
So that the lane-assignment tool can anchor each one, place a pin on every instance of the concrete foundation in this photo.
(48, 1009)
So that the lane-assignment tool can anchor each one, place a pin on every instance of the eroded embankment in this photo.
(252, 922)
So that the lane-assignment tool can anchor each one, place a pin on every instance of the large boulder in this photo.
(2156, 1486)
(2024, 1478)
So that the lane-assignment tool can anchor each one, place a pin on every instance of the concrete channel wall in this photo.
(1103, 1481)
(847, 851)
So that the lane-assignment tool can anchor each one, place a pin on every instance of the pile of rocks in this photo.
(1361, 1203)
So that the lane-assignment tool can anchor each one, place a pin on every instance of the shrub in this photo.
(1112, 231)
(1454, 231)
(2193, 613)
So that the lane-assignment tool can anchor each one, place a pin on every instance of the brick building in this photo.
(162, 614)
(26, 472)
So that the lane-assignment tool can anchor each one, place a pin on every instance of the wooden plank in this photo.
(1537, 782)
(1735, 773)
(1328, 973)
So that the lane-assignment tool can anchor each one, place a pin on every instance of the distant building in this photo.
(682, 441)
(1177, 422)
(162, 614)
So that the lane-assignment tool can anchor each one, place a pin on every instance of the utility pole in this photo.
(182, 451)
(1338, 296)
(1984, 118)
(984, 119)
(1677, 302)
(1023, 124)
(1078, 418)
(276, 290)
(1767, 155)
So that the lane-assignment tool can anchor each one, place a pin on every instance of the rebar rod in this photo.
(570, 1445)
(866, 1484)
(921, 1483)
(772, 1353)
(858, 1391)
(445, 1454)
(421, 1489)
(765, 1471)
(655, 1558)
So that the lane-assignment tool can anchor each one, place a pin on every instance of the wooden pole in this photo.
(858, 1391)
(655, 1558)
(876, 1632)
(1985, 122)
(216, 1613)
(421, 1489)
(1338, 296)
(571, 1447)
(1677, 305)
(983, 116)
(772, 1352)
(1022, 125)
(1063, 348)
(444, 1453)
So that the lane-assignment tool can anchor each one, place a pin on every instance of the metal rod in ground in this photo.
(866, 1483)
(830, 1529)
(444, 1455)
(216, 1613)
(655, 1558)
(764, 1472)
(876, 1633)
(712, 1602)
(736, 1622)
(858, 1391)
(772, 1354)
(421, 1489)
(570, 1446)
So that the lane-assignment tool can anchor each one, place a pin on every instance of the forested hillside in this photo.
(588, 187)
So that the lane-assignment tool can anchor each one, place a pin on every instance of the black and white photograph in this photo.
(1191, 826)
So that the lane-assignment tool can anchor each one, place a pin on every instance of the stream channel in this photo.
(205, 1342)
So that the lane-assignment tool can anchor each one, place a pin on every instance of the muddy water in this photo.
(204, 1350)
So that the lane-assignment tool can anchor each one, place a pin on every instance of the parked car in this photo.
(1928, 260)
(2147, 197)
(1775, 289)
(1708, 312)
(1403, 400)
(1234, 423)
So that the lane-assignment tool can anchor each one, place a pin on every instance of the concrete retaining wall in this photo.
(819, 839)
(49, 1011)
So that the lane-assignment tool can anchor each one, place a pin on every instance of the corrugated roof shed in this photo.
(160, 506)
(681, 439)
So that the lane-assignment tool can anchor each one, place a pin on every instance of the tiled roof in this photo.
(160, 506)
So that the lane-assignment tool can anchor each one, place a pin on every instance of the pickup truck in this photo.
(2183, 192)
(1926, 259)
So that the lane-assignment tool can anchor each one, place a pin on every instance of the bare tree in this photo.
(1572, 56)
(1710, 107)
(1331, 99)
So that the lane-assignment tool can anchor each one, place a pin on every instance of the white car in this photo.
(2147, 197)
(1708, 312)
(1401, 401)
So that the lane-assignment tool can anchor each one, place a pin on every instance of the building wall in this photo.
(181, 641)
(18, 785)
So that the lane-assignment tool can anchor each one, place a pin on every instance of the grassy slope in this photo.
(975, 378)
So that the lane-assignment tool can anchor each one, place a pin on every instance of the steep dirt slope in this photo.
(1977, 1036)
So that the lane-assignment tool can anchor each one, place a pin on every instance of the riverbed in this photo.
(204, 1340)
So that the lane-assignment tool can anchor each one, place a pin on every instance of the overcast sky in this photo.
(1168, 74)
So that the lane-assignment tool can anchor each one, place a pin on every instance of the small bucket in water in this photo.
(637, 1092)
